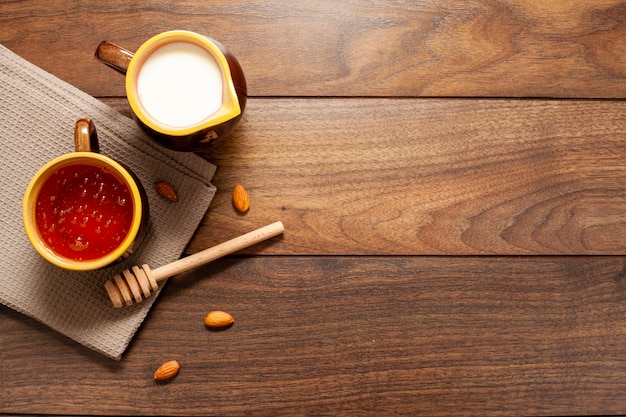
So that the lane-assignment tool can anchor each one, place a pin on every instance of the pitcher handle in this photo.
(114, 56)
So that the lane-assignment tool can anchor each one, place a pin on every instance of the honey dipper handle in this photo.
(231, 246)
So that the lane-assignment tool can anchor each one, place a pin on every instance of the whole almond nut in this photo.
(218, 319)
(241, 200)
(167, 371)
(166, 191)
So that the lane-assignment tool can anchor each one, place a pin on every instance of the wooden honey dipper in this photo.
(137, 283)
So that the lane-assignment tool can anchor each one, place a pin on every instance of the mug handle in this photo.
(114, 56)
(86, 137)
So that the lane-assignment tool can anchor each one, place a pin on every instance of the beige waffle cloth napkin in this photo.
(37, 116)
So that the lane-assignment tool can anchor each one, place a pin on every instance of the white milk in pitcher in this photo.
(180, 85)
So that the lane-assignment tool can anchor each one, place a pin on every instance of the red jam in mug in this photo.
(83, 212)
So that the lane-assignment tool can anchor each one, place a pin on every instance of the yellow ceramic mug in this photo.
(83, 210)
(185, 90)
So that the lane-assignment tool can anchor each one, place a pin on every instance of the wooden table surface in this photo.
(451, 176)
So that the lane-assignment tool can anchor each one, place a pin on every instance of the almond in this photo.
(241, 200)
(167, 371)
(166, 191)
(218, 319)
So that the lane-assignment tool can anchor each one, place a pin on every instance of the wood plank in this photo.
(414, 177)
(356, 335)
(509, 48)
(425, 177)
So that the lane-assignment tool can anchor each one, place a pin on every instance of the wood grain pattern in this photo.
(415, 177)
(350, 336)
(510, 48)
(386, 136)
